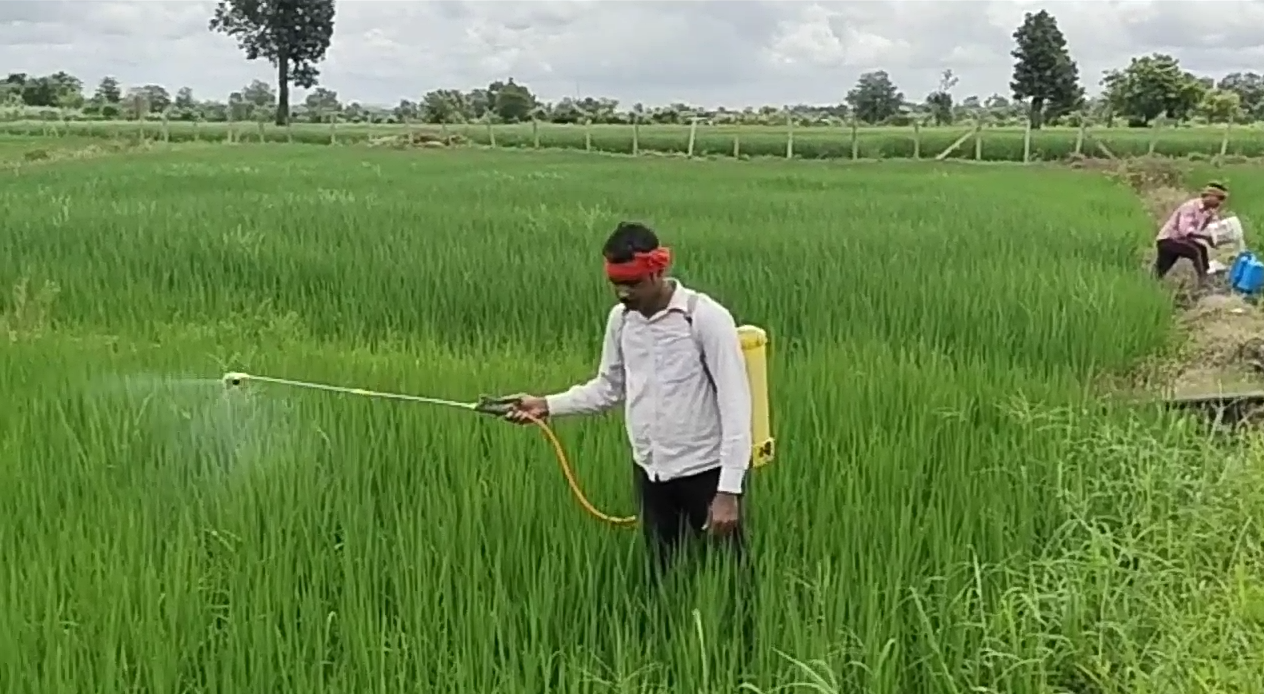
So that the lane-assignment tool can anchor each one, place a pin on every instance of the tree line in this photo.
(293, 36)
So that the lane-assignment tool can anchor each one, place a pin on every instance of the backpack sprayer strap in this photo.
(691, 305)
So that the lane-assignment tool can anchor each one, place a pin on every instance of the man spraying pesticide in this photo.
(675, 357)
(696, 393)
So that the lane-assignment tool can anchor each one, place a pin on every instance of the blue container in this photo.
(1239, 264)
(1252, 278)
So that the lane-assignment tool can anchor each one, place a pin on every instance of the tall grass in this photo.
(950, 510)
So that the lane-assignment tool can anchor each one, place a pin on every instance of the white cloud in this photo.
(710, 53)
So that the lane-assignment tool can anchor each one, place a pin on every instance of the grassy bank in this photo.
(950, 509)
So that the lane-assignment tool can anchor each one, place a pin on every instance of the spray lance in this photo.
(754, 343)
(487, 405)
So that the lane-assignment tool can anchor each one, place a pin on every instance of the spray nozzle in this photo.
(234, 378)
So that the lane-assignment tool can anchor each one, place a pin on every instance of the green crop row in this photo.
(994, 144)
(950, 509)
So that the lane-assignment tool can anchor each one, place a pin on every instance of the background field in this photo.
(953, 507)
(995, 144)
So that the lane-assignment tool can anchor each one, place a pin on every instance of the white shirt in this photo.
(677, 422)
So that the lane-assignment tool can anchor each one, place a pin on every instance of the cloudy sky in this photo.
(706, 53)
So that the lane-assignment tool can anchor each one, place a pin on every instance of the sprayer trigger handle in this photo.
(499, 406)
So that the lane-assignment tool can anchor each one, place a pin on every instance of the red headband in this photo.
(641, 266)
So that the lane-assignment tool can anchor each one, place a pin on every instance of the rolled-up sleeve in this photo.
(603, 391)
(723, 352)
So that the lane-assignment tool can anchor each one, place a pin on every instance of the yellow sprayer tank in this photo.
(755, 349)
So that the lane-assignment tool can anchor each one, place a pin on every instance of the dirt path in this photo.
(1223, 349)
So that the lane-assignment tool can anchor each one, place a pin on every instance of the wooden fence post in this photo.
(1224, 141)
(789, 134)
(1027, 142)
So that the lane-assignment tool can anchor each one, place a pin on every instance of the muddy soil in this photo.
(1224, 334)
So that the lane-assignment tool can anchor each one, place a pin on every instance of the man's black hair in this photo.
(628, 239)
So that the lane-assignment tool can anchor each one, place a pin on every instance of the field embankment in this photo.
(993, 144)
(951, 510)
(1221, 344)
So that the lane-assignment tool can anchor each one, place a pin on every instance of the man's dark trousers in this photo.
(672, 515)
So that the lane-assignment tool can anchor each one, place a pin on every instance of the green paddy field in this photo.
(955, 507)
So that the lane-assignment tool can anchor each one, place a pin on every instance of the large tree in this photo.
(1250, 90)
(157, 97)
(108, 92)
(1044, 73)
(292, 35)
(444, 106)
(1152, 86)
(512, 102)
(875, 97)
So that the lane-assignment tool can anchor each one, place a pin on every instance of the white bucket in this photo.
(1227, 230)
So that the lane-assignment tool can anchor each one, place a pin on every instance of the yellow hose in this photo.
(578, 493)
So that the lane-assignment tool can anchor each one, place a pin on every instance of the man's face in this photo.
(639, 294)
(1211, 201)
